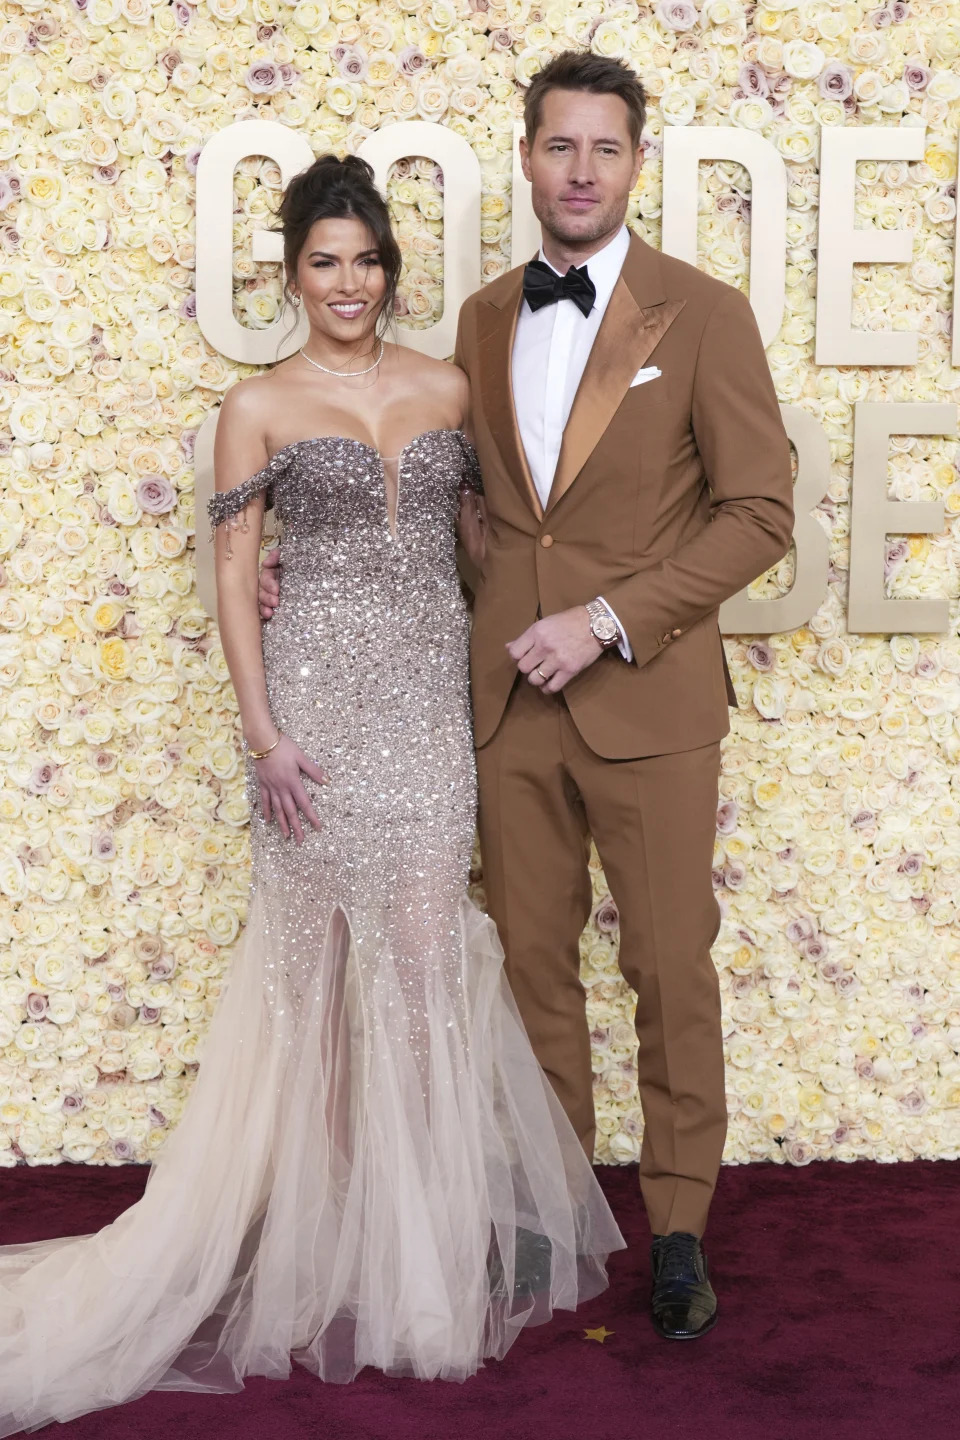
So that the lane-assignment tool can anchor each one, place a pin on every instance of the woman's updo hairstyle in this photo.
(333, 189)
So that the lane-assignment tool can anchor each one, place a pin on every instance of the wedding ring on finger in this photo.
(541, 674)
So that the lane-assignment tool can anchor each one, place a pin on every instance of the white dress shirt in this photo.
(550, 352)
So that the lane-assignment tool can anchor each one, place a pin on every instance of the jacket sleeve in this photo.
(746, 460)
(468, 571)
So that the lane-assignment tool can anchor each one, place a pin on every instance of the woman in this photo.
(371, 1168)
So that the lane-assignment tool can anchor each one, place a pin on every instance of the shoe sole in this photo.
(696, 1335)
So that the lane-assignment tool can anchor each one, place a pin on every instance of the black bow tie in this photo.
(543, 286)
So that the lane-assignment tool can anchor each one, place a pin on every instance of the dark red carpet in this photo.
(840, 1318)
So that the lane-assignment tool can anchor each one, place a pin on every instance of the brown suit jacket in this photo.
(668, 497)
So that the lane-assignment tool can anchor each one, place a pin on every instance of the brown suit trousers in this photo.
(668, 498)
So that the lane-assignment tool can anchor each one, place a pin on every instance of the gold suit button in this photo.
(677, 633)
(546, 541)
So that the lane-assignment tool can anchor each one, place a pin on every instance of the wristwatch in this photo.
(604, 628)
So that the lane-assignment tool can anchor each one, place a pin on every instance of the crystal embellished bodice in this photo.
(366, 668)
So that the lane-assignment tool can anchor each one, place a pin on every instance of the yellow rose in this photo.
(114, 658)
(106, 615)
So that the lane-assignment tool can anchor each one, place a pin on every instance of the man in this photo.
(637, 473)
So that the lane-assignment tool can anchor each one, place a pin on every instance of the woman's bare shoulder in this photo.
(440, 378)
(252, 400)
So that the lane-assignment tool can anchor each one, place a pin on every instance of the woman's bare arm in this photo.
(240, 451)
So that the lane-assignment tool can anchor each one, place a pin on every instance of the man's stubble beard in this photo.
(605, 224)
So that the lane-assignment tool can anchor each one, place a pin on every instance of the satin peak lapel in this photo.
(628, 334)
(496, 328)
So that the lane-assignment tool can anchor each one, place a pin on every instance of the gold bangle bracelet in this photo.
(259, 754)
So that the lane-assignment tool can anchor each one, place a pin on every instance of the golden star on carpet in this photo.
(600, 1334)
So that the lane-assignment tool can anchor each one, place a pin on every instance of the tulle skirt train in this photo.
(372, 1171)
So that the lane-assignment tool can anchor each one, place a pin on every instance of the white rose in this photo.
(803, 59)
(751, 114)
(678, 105)
(22, 99)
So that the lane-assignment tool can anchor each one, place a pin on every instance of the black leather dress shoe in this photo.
(533, 1265)
(683, 1303)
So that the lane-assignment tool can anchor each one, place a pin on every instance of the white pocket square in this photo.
(650, 373)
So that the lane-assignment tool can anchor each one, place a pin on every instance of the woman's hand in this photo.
(472, 525)
(268, 594)
(282, 795)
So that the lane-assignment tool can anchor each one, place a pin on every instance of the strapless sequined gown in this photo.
(371, 1168)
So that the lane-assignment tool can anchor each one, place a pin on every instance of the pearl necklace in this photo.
(343, 374)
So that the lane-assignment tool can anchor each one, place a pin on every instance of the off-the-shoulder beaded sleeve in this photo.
(471, 465)
(225, 503)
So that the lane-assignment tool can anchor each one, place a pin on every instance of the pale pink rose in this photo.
(607, 917)
(45, 28)
(351, 61)
(42, 779)
(263, 78)
(36, 1005)
(156, 1117)
(72, 1104)
(728, 813)
(155, 494)
(863, 819)
(910, 863)
(798, 1152)
(917, 77)
(752, 79)
(411, 60)
(835, 81)
(734, 874)
(122, 1149)
(800, 929)
(103, 847)
(761, 656)
(677, 14)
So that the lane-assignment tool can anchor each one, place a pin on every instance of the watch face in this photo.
(605, 628)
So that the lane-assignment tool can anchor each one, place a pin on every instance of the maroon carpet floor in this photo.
(839, 1292)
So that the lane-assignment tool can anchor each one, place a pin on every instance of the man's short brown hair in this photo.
(597, 75)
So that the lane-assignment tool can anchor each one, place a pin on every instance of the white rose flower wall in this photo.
(124, 856)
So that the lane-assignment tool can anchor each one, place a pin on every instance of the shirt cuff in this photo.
(623, 645)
